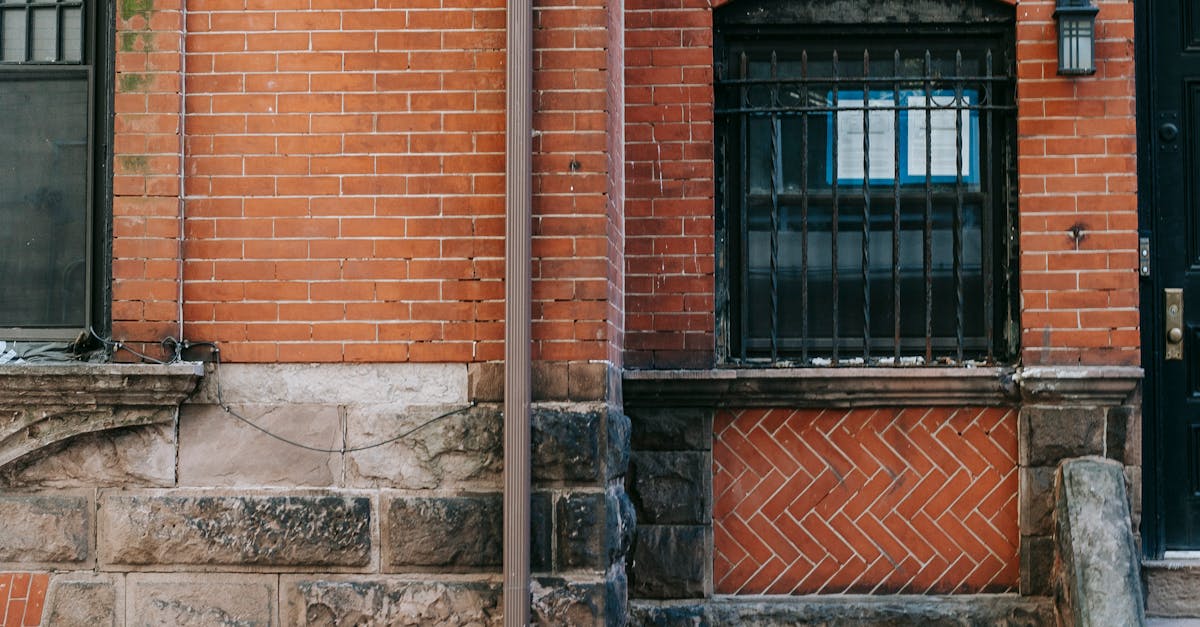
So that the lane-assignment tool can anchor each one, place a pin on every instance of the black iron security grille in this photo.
(865, 191)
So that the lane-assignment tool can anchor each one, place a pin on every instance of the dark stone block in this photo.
(1117, 433)
(549, 380)
(1037, 501)
(566, 445)
(622, 524)
(671, 429)
(669, 562)
(462, 531)
(646, 615)
(616, 597)
(581, 531)
(1037, 565)
(560, 602)
(670, 487)
(616, 458)
(1052, 434)
(261, 530)
(541, 522)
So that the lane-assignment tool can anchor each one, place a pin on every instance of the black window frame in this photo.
(96, 67)
(763, 30)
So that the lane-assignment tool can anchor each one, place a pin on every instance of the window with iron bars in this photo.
(866, 195)
(53, 121)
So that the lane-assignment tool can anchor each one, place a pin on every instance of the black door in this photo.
(1169, 127)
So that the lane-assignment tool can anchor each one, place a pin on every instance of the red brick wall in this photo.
(1077, 175)
(865, 501)
(22, 596)
(345, 179)
(1078, 185)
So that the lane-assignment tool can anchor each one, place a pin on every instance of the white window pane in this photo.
(72, 30)
(45, 35)
(12, 37)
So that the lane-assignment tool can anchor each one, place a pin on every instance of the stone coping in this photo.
(882, 386)
(41, 404)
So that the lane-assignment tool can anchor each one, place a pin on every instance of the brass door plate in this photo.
(1173, 322)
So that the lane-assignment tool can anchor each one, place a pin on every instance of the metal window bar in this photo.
(970, 333)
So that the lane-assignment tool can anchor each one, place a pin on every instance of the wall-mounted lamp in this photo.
(1076, 36)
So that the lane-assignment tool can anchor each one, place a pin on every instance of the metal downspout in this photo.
(518, 200)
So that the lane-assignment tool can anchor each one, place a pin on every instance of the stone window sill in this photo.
(891, 387)
(41, 404)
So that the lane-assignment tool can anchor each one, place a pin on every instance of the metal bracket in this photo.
(1144, 256)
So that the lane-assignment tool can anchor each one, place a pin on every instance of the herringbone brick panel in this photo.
(865, 501)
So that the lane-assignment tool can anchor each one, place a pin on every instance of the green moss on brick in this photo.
(131, 8)
(134, 163)
(134, 82)
(129, 42)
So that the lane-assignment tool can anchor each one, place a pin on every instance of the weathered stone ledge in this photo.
(902, 610)
(44, 404)
(882, 386)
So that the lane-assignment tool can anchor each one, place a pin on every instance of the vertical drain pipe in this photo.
(518, 171)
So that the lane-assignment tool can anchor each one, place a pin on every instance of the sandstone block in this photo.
(217, 449)
(158, 528)
(132, 456)
(1036, 513)
(339, 384)
(464, 450)
(201, 600)
(1037, 565)
(44, 528)
(671, 487)
(332, 601)
(460, 531)
(84, 600)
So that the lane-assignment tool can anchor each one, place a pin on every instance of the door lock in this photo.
(1173, 308)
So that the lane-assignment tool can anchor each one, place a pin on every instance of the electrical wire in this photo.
(180, 346)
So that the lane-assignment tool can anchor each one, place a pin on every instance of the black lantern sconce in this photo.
(1076, 37)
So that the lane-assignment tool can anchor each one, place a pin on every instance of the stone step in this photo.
(1172, 588)
(992, 610)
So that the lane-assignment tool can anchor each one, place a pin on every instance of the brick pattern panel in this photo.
(22, 596)
(865, 501)
(1078, 186)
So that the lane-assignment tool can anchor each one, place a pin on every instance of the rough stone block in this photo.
(1052, 434)
(1037, 566)
(617, 453)
(1098, 562)
(44, 528)
(1117, 433)
(459, 531)
(201, 600)
(669, 562)
(217, 449)
(462, 450)
(332, 601)
(621, 523)
(155, 528)
(672, 487)
(549, 380)
(646, 614)
(566, 444)
(1172, 589)
(541, 523)
(485, 382)
(84, 600)
(581, 531)
(133, 456)
(562, 602)
(1036, 513)
(671, 429)
(616, 597)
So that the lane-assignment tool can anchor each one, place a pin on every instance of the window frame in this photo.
(998, 248)
(96, 67)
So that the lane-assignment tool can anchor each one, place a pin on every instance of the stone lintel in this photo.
(44, 404)
(1079, 385)
(820, 387)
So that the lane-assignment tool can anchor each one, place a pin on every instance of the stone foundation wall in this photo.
(208, 519)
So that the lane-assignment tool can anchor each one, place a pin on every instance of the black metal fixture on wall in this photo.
(1076, 37)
